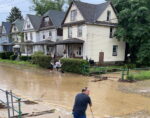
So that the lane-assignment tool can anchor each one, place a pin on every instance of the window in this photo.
(108, 15)
(31, 37)
(73, 15)
(15, 29)
(26, 36)
(43, 36)
(111, 32)
(79, 31)
(115, 50)
(69, 32)
(28, 25)
(46, 21)
(50, 33)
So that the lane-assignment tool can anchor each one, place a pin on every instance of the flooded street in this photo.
(109, 97)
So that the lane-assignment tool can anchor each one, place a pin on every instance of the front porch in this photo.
(73, 48)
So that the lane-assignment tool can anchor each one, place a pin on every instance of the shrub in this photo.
(74, 65)
(13, 57)
(6, 55)
(25, 58)
(41, 60)
(130, 66)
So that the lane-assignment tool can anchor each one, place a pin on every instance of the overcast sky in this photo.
(24, 6)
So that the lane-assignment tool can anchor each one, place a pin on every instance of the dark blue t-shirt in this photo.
(81, 102)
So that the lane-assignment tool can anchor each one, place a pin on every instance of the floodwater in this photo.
(60, 89)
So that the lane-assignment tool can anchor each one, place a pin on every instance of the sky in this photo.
(24, 6)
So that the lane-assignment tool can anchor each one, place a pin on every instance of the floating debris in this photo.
(28, 102)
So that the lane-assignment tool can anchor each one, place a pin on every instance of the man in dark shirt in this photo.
(81, 103)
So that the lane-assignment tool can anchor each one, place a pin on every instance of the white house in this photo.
(17, 33)
(88, 33)
(5, 42)
(41, 33)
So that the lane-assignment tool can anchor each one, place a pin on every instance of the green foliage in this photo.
(133, 28)
(130, 66)
(41, 60)
(42, 6)
(13, 57)
(6, 55)
(144, 54)
(25, 58)
(14, 15)
(74, 65)
(143, 75)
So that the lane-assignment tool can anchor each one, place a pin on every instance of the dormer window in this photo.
(15, 29)
(108, 15)
(46, 21)
(73, 15)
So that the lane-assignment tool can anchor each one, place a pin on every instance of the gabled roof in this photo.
(35, 21)
(19, 24)
(90, 12)
(7, 26)
(56, 17)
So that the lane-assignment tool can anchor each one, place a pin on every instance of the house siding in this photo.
(79, 15)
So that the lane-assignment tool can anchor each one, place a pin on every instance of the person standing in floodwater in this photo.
(82, 100)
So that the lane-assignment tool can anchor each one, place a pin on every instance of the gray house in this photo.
(5, 41)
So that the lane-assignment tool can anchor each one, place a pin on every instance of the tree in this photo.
(42, 6)
(14, 14)
(133, 27)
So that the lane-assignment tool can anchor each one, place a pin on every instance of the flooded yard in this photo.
(110, 98)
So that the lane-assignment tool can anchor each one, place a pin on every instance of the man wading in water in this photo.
(81, 102)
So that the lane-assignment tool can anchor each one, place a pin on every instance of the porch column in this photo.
(45, 49)
(26, 51)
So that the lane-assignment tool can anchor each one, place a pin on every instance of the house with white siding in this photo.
(88, 33)
(41, 33)
(17, 34)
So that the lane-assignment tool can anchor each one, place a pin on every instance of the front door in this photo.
(101, 58)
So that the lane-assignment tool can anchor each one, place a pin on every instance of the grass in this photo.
(23, 63)
(143, 75)
(105, 69)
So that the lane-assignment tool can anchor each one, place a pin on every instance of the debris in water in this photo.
(28, 102)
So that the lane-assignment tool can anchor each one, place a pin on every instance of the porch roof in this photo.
(70, 41)
(27, 43)
(44, 42)
(7, 44)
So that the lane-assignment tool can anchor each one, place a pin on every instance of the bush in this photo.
(41, 60)
(130, 66)
(13, 57)
(144, 75)
(25, 58)
(74, 65)
(6, 55)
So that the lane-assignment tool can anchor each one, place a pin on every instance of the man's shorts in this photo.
(77, 116)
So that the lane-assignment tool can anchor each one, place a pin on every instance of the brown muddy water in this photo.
(60, 89)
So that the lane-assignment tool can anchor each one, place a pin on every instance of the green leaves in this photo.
(14, 15)
(134, 26)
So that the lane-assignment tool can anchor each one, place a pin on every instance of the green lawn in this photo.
(24, 63)
(105, 69)
(142, 75)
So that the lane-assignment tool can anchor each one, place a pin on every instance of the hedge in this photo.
(74, 65)
(13, 57)
(25, 58)
(6, 55)
(41, 60)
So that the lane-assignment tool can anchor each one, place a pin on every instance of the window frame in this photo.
(108, 15)
(80, 31)
(73, 15)
(111, 33)
(69, 32)
(115, 50)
